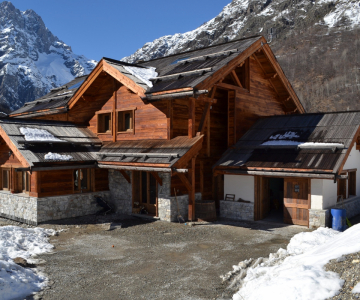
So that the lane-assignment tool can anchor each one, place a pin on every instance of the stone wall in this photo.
(68, 206)
(237, 210)
(18, 207)
(319, 218)
(323, 218)
(31, 210)
(120, 192)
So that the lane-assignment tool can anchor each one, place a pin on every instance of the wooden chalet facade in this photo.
(142, 141)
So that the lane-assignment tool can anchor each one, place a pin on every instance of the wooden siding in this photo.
(100, 180)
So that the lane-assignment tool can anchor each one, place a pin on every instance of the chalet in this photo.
(137, 133)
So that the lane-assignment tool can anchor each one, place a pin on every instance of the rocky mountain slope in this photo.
(316, 42)
(32, 59)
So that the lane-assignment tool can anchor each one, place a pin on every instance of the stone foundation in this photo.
(319, 218)
(322, 218)
(32, 210)
(237, 210)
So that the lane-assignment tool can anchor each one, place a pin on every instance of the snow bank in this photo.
(57, 156)
(298, 272)
(35, 134)
(17, 282)
(144, 74)
(356, 289)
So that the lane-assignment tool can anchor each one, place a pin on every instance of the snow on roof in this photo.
(18, 282)
(287, 135)
(144, 74)
(35, 134)
(298, 272)
(302, 144)
(57, 156)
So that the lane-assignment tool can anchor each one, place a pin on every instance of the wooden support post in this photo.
(114, 120)
(203, 117)
(202, 178)
(126, 176)
(191, 214)
(191, 121)
(208, 127)
(169, 119)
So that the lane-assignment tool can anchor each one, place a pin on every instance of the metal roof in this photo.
(214, 57)
(67, 132)
(170, 150)
(57, 98)
(338, 128)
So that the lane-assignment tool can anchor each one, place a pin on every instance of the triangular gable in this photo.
(260, 47)
(106, 66)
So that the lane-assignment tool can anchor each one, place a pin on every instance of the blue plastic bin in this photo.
(338, 219)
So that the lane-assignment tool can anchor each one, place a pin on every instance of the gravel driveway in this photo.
(152, 260)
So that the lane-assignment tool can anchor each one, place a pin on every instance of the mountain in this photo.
(32, 59)
(317, 43)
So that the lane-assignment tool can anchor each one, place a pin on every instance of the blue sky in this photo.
(117, 28)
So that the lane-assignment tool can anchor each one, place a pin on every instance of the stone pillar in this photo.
(120, 192)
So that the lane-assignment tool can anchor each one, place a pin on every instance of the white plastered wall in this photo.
(353, 162)
(324, 191)
(242, 186)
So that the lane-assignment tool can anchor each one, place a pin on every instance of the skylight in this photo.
(180, 59)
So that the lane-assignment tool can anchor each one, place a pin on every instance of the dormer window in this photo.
(104, 122)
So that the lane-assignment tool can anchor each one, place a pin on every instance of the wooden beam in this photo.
(191, 120)
(203, 118)
(131, 85)
(270, 76)
(13, 148)
(231, 87)
(157, 178)
(185, 181)
(349, 150)
(236, 78)
(191, 209)
(126, 176)
(169, 119)
(114, 119)
(260, 65)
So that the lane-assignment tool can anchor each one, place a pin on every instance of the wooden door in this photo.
(341, 188)
(296, 201)
(352, 183)
(262, 200)
(148, 192)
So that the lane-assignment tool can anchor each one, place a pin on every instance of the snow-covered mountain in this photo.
(32, 59)
(242, 18)
(317, 43)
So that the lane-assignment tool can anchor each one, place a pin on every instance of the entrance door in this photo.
(296, 201)
(145, 191)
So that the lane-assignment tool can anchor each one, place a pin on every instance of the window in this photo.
(82, 180)
(104, 123)
(25, 176)
(352, 183)
(125, 121)
(6, 179)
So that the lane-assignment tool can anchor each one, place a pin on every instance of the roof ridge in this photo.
(207, 47)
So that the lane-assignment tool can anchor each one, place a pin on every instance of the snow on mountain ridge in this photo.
(32, 59)
(242, 18)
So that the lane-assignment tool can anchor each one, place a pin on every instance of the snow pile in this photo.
(35, 134)
(17, 282)
(298, 272)
(356, 289)
(302, 145)
(57, 156)
(144, 74)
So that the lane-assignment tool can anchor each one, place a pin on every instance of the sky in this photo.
(117, 28)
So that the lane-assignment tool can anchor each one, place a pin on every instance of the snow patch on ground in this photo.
(40, 135)
(57, 156)
(17, 282)
(356, 289)
(144, 74)
(298, 272)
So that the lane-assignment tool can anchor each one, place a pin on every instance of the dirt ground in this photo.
(152, 259)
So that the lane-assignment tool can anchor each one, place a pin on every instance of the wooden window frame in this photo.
(123, 111)
(9, 179)
(89, 181)
(27, 182)
(99, 115)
